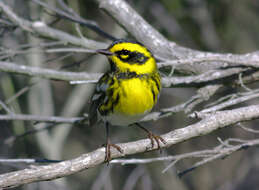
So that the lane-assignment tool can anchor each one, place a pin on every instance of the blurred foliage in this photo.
(222, 26)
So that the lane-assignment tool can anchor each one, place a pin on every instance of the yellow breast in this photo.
(136, 97)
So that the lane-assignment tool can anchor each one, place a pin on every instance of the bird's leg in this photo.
(109, 145)
(152, 137)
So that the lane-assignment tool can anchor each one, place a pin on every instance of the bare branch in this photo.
(168, 51)
(121, 11)
(251, 78)
(247, 129)
(202, 78)
(2, 104)
(207, 125)
(27, 161)
(230, 60)
(209, 155)
(72, 16)
(40, 28)
(85, 77)
(197, 154)
(244, 97)
(194, 61)
(18, 94)
(222, 153)
(39, 118)
(204, 94)
(47, 73)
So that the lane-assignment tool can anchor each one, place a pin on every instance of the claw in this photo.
(108, 151)
(157, 138)
(153, 137)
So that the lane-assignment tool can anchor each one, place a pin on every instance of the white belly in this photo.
(122, 120)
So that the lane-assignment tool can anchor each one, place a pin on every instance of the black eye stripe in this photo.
(133, 57)
(123, 52)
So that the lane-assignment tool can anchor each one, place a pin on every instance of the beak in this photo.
(104, 52)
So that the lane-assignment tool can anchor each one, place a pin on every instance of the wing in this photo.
(98, 98)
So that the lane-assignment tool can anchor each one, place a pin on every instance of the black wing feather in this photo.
(98, 98)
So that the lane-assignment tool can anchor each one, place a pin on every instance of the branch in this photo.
(70, 15)
(39, 118)
(244, 97)
(203, 94)
(205, 77)
(85, 77)
(191, 61)
(48, 172)
(167, 50)
(230, 60)
(27, 161)
(4, 106)
(222, 153)
(40, 28)
(209, 155)
(47, 73)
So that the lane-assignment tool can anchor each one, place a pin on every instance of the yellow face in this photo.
(127, 56)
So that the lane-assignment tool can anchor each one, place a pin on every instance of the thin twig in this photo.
(19, 93)
(222, 154)
(231, 102)
(40, 28)
(27, 160)
(2, 104)
(40, 118)
(76, 18)
(47, 73)
(209, 155)
(247, 129)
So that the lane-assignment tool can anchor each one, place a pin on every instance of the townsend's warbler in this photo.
(127, 92)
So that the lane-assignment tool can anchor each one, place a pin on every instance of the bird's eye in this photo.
(141, 58)
(124, 56)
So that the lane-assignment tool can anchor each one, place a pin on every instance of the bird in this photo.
(127, 92)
